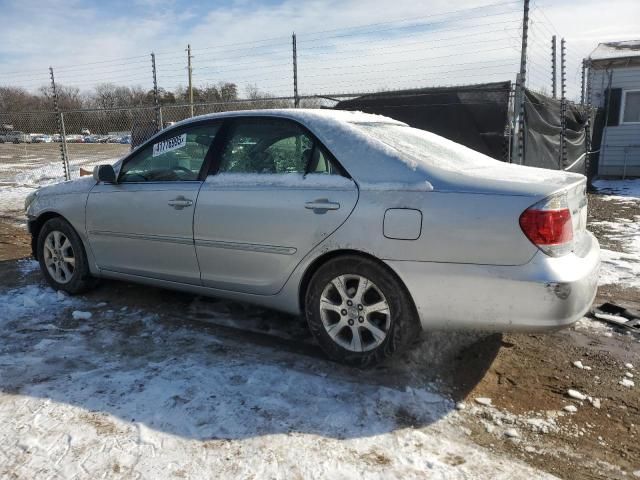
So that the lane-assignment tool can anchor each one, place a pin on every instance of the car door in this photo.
(274, 195)
(143, 224)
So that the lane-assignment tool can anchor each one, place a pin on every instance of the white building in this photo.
(615, 88)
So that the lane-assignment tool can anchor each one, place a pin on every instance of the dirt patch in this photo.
(102, 424)
(15, 241)
(530, 376)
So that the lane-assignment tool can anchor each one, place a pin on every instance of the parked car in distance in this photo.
(41, 138)
(18, 137)
(125, 140)
(74, 138)
(374, 230)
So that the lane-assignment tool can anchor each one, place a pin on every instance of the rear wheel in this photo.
(359, 312)
(62, 257)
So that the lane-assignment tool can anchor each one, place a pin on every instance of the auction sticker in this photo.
(169, 144)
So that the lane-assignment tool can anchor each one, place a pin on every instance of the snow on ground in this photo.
(625, 190)
(25, 169)
(620, 268)
(129, 394)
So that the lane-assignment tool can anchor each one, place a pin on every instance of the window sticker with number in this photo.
(169, 145)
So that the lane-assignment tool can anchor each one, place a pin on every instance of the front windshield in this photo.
(419, 147)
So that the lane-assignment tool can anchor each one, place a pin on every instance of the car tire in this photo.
(335, 318)
(62, 258)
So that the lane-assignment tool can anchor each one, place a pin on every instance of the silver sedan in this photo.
(373, 230)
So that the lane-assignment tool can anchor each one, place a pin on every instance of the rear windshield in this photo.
(417, 147)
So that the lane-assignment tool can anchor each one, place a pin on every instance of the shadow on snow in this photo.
(206, 369)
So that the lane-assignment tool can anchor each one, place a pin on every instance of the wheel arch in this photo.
(36, 225)
(324, 258)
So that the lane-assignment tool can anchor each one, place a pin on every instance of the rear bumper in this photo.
(545, 294)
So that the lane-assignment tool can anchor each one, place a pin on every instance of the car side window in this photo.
(321, 162)
(178, 156)
(268, 146)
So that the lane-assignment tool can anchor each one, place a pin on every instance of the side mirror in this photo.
(104, 173)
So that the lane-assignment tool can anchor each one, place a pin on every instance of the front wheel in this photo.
(62, 257)
(359, 312)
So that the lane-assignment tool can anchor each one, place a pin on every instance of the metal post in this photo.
(587, 128)
(554, 61)
(584, 67)
(61, 132)
(563, 104)
(190, 79)
(521, 82)
(155, 93)
(296, 99)
(63, 143)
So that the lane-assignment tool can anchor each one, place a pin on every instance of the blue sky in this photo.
(73, 35)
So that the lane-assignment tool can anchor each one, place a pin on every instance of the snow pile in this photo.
(626, 190)
(576, 394)
(32, 300)
(12, 198)
(504, 423)
(595, 326)
(621, 268)
(580, 365)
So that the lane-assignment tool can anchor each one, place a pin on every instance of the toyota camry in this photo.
(375, 231)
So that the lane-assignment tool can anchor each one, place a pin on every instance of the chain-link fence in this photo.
(38, 148)
(30, 149)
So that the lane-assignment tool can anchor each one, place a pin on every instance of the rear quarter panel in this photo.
(456, 228)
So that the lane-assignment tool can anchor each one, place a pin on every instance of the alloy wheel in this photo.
(355, 313)
(59, 257)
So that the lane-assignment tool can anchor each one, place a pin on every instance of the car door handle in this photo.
(180, 202)
(321, 205)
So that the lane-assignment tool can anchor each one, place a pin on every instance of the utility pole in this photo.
(190, 79)
(563, 104)
(554, 61)
(521, 82)
(155, 93)
(60, 118)
(296, 99)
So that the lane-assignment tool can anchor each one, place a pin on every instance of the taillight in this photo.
(548, 225)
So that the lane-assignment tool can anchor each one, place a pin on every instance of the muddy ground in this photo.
(525, 376)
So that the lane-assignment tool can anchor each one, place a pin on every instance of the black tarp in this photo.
(477, 116)
(474, 115)
(542, 134)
